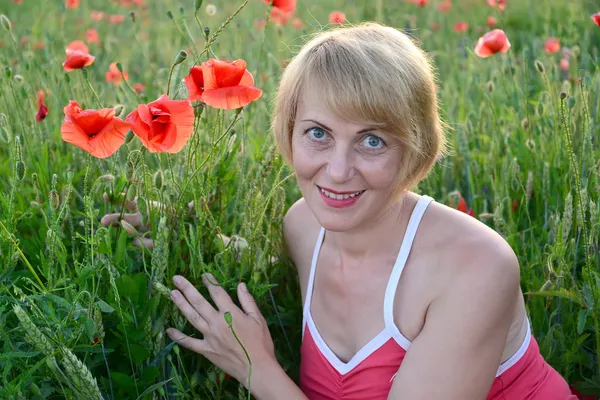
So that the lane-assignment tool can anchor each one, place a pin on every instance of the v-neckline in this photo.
(344, 367)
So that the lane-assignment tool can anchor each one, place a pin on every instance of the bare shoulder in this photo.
(472, 253)
(300, 232)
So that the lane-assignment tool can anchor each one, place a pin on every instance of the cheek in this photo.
(380, 173)
(304, 161)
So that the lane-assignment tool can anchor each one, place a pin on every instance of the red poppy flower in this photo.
(596, 18)
(222, 84)
(42, 107)
(297, 23)
(163, 125)
(444, 6)
(337, 18)
(564, 64)
(435, 26)
(421, 3)
(286, 6)
(500, 4)
(97, 15)
(98, 132)
(515, 206)
(78, 56)
(462, 207)
(71, 4)
(491, 22)
(18, 1)
(552, 45)
(91, 36)
(139, 87)
(491, 43)
(115, 76)
(461, 26)
(116, 19)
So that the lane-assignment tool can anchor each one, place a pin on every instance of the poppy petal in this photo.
(218, 74)
(138, 126)
(71, 133)
(230, 98)
(108, 141)
(182, 115)
(195, 83)
(247, 79)
(77, 45)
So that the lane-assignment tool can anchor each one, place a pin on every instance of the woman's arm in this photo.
(271, 382)
(457, 354)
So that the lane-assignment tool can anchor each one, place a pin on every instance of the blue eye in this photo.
(318, 133)
(373, 142)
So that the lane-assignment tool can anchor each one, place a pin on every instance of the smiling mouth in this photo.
(340, 196)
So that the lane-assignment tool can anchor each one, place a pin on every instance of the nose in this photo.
(340, 166)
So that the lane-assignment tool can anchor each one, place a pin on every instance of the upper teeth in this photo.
(340, 196)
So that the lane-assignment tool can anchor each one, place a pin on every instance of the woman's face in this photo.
(346, 171)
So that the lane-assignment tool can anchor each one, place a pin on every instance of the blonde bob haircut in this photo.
(368, 73)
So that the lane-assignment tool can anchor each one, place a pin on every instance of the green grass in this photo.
(79, 302)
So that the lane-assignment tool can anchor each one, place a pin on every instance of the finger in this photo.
(247, 300)
(110, 219)
(218, 294)
(188, 311)
(197, 301)
(196, 345)
(144, 243)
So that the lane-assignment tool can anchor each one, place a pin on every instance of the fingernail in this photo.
(177, 279)
(244, 288)
(209, 278)
(174, 294)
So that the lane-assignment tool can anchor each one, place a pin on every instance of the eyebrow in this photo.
(329, 129)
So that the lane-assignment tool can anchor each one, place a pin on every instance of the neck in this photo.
(381, 237)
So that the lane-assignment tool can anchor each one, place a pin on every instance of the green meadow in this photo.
(84, 307)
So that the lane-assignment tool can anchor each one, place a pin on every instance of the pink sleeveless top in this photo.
(370, 373)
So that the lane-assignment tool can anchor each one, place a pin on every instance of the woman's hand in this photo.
(219, 344)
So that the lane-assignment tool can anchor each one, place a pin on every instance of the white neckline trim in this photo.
(342, 367)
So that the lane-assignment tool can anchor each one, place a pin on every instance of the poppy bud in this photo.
(84, 72)
(131, 192)
(119, 108)
(181, 11)
(170, 14)
(119, 67)
(7, 72)
(158, 179)
(180, 57)
(571, 102)
(198, 108)
(129, 136)
(206, 32)
(18, 78)
(129, 228)
(5, 22)
(490, 87)
(132, 16)
(67, 78)
(197, 5)
(228, 318)
(539, 66)
(563, 95)
(20, 167)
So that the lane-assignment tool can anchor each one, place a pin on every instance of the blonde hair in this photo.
(368, 73)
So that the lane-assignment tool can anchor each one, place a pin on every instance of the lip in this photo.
(336, 192)
(335, 203)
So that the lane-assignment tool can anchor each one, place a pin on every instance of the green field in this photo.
(83, 309)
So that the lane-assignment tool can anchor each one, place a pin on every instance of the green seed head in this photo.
(119, 108)
(7, 72)
(571, 102)
(158, 179)
(197, 5)
(20, 167)
(563, 95)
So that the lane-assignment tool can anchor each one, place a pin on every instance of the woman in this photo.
(404, 298)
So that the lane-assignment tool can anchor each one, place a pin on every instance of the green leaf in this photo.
(127, 286)
(122, 381)
(104, 307)
(138, 353)
(581, 320)
(150, 374)
(564, 293)
(153, 388)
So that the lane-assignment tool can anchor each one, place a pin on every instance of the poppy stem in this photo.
(169, 82)
(85, 76)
